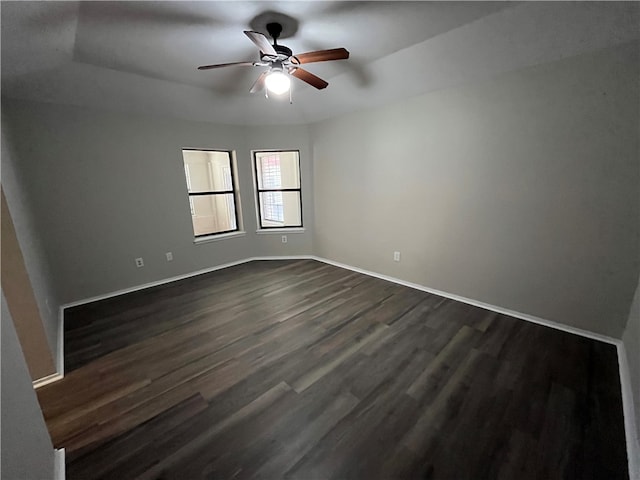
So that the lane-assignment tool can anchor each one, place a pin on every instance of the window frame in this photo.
(259, 190)
(234, 191)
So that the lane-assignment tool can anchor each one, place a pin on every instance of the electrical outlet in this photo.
(284, 239)
(139, 262)
(169, 256)
(396, 256)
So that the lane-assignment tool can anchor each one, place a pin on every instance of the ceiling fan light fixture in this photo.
(281, 62)
(277, 82)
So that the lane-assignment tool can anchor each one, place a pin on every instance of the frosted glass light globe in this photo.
(278, 82)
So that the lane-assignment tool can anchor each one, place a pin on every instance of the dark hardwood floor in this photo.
(301, 370)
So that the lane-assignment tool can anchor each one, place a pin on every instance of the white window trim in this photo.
(276, 231)
(235, 187)
(219, 236)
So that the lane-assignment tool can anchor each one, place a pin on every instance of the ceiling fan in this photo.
(282, 62)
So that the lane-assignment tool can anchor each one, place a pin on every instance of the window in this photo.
(212, 192)
(278, 189)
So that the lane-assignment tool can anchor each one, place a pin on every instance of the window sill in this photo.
(277, 230)
(223, 236)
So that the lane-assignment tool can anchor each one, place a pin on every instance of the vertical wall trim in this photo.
(633, 449)
(59, 470)
(60, 359)
(22, 302)
(59, 375)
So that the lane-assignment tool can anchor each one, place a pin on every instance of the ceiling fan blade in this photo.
(309, 77)
(259, 83)
(321, 56)
(220, 65)
(261, 42)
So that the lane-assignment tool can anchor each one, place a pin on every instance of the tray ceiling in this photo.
(142, 56)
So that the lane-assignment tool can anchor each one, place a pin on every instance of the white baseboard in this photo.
(476, 303)
(633, 447)
(470, 301)
(154, 284)
(284, 257)
(41, 382)
(59, 470)
(178, 277)
(633, 452)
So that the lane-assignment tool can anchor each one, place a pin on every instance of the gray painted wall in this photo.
(32, 240)
(521, 182)
(27, 452)
(631, 339)
(108, 187)
(514, 192)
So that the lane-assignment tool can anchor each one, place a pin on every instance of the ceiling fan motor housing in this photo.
(283, 53)
(282, 50)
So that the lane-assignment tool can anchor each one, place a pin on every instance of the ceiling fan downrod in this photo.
(275, 29)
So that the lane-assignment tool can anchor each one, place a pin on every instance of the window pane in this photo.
(280, 209)
(213, 213)
(207, 171)
(278, 170)
(273, 209)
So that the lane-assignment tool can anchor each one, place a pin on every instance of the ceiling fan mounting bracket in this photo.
(274, 29)
(288, 25)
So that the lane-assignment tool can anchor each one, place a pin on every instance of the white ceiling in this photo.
(142, 56)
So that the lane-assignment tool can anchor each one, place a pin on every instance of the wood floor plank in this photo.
(299, 369)
(100, 462)
(356, 430)
(201, 441)
(309, 378)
